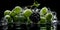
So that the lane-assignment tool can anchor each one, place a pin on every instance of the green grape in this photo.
(8, 18)
(48, 16)
(43, 20)
(28, 20)
(16, 18)
(7, 12)
(43, 11)
(22, 19)
(17, 10)
(12, 14)
(27, 12)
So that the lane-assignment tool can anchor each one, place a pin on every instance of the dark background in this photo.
(54, 5)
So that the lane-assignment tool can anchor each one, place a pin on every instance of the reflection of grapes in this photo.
(3, 24)
(23, 27)
(35, 17)
(34, 27)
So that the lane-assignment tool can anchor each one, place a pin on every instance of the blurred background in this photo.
(10, 4)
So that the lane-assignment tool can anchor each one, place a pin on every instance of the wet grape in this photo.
(43, 11)
(8, 17)
(27, 12)
(48, 16)
(17, 10)
(7, 12)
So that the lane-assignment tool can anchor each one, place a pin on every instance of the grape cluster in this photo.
(28, 15)
(35, 17)
(17, 14)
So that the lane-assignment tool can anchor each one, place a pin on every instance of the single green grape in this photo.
(48, 16)
(12, 14)
(7, 12)
(22, 19)
(27, 12)
(16, 18)
(17, 10)
(8, 17)
(43, 11)
(43, 20)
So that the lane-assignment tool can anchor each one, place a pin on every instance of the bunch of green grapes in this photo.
(16, 14)
(12, 15)
(45, 15)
